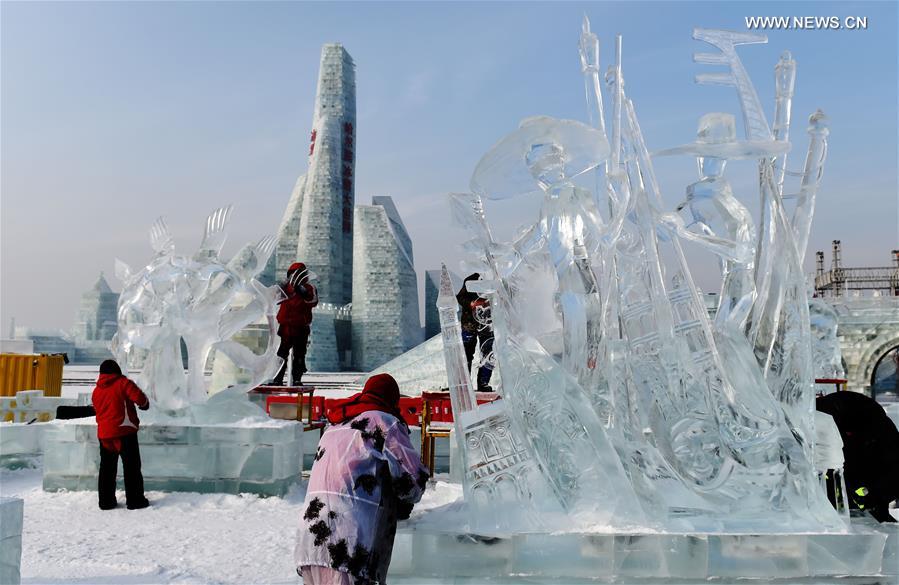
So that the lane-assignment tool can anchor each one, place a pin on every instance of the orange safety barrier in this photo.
(31, 372)
(432, 411)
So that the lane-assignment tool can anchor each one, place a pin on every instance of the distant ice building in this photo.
(97, 314)
(46, 340)
(88, 340)
(385, 320)
(95, 323)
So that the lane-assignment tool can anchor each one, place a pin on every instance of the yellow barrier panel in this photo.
(31, 372)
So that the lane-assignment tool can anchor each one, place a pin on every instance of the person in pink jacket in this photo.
(366, 476)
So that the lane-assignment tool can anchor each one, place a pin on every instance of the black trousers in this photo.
(134, 479)
(298, 344)
(470, 343)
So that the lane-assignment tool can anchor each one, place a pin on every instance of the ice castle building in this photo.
(365, 260)
(95, 323)
(97, 317)
(385, 320)
(318, 223)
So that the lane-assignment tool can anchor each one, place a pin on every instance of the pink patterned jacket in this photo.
(365, 474)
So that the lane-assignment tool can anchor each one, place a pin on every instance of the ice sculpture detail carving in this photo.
(201, 301)
(826, 354)
(634, 405)
(500, 477)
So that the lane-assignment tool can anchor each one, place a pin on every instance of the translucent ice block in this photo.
(261, 457)
(11, 516)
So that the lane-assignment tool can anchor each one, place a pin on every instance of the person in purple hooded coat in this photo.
(366, 476)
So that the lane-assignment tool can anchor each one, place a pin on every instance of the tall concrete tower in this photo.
(317, 227)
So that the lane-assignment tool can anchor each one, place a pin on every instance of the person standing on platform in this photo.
(475, 321)
(114, 398)
(294, 322)
(365, 478)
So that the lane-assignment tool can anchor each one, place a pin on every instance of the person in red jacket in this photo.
(294, 322)
(114, 398)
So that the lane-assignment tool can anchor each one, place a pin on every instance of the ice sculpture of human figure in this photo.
(717, 219)
(294, 322)
(571, 226)
(559, 424)
(553, 153)
(476, 329)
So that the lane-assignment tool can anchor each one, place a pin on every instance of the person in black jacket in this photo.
(870, 448)
(476, 327)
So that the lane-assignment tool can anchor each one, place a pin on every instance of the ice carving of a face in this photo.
(546, 162)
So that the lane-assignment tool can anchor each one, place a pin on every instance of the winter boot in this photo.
(139, 505)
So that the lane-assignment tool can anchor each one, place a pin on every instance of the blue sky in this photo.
(112, 114)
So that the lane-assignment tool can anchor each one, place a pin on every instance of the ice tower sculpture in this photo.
(634, 405)
(199, 301)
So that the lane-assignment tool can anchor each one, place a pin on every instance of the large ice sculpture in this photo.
(191, 441)
(635, 406)
(201, 302)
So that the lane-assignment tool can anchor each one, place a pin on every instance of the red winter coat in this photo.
(114, 399)
(296, 310)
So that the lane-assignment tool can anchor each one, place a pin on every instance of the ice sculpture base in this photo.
(252, 456)
(20, 443)
(868, 550)
(11, 514)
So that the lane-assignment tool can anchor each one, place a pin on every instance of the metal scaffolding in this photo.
(838, 280)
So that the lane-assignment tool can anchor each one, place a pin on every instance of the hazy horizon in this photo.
(116, 113)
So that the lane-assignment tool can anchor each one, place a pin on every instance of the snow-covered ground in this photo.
(180, 538)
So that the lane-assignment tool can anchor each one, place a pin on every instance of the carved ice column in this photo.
(497, 468)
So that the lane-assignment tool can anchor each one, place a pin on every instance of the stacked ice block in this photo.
(19, 443)
(260, 457)
(28, 405)
(421, 552)
(11, 510)
(22, 430)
